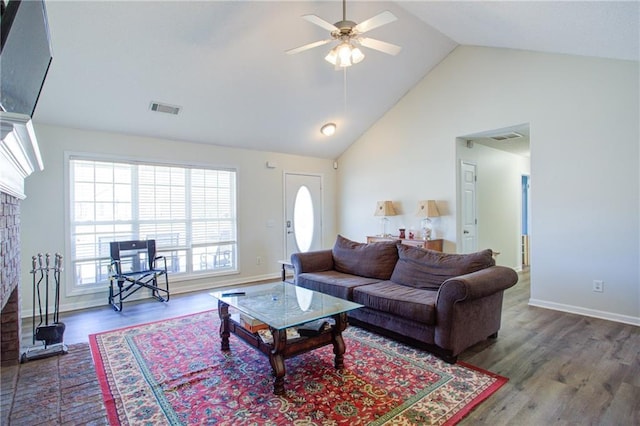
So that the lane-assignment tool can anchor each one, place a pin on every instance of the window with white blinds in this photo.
(190, 212)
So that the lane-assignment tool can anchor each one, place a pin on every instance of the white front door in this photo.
(303, 213)
(469, 219)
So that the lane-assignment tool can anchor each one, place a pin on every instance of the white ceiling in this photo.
(223, 62)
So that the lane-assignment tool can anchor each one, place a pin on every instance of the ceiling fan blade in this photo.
(314, 19)
(375, 22)
(382, 46)
(307, 47)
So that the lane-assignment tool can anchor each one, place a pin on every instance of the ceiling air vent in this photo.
(166, 108)
(506, 136)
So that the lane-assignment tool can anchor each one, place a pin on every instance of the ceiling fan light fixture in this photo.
(348, 34)
(332, 56)
(328, 129)
(356, 55)
(344, 54)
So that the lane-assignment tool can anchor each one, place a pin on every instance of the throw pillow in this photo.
(373, 260)
(421, 268)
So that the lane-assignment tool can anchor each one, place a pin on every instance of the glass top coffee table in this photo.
(285, 310)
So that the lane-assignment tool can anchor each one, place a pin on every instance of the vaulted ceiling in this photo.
(223, 63)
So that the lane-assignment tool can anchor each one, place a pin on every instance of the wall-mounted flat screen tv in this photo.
(25, 54)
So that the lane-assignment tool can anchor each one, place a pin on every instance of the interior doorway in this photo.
(503, 204)
(526, 214)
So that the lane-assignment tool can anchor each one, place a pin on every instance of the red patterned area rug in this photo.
(173, 373)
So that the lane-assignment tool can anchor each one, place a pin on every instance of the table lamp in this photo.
(427, 209)
(384, 209)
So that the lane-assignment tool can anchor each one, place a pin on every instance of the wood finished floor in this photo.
(563, 369)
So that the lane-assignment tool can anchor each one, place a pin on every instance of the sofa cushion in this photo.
(407, 302)
(421, 268)
(334, 283)
(373, 260)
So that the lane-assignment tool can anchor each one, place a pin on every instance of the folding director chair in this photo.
(134, 265)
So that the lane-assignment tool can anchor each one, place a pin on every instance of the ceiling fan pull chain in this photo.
(344, 79)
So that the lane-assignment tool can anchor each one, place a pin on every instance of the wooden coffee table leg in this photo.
(337, 340)
(223, 313)
(276, 359)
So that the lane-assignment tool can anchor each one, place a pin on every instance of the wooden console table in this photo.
(428, 244)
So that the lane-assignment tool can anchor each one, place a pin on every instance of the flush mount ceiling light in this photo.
(349, 36)
(328, 129)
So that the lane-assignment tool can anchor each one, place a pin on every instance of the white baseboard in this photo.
(176, 287)
(182, 288)
(594, 313)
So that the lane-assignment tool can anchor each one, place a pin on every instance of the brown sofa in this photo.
(442, 302)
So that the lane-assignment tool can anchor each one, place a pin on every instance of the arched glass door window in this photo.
(303, 219)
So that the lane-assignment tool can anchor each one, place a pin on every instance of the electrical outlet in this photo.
(598, 286)
(258, 260)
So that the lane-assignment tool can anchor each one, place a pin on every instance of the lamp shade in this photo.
(428, 208)
(385, 208)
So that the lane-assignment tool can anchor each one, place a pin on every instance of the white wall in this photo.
(583, 115)
(260, 190)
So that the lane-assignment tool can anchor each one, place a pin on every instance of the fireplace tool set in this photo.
(49, 329)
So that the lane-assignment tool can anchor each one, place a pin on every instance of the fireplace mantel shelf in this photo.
(19, 153)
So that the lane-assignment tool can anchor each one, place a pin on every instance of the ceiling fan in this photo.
(349, 36)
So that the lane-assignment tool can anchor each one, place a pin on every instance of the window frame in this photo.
(74, 289)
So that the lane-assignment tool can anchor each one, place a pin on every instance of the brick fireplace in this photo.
(10, 322)
(19, 158)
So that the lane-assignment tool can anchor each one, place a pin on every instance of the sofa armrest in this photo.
(312, 261)
(476, 285)
(469, 307)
